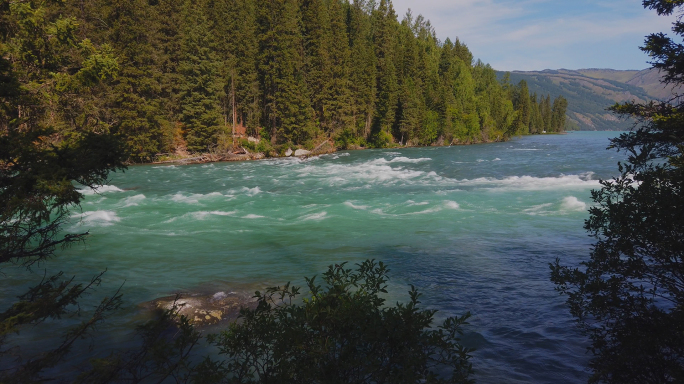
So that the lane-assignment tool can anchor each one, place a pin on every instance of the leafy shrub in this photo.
(348, 139)
(342, 333)
(383, 139)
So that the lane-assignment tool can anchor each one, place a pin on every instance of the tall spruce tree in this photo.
(560, 105)
(339, 109)
(235, 28)
(286, 96)
(200, 82)
(384, 39)
(135, 97)
(522, 105)
(410, 104)
(317, 41)
(363, 73)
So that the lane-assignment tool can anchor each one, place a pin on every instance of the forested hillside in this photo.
(184, 76)
(591, 91)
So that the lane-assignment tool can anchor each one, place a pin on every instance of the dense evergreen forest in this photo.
(169, 75)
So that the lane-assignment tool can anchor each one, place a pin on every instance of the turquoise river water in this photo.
(472, 227)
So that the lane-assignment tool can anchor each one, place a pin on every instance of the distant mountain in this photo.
(590, 91)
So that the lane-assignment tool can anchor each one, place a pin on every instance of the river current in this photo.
(472, 227)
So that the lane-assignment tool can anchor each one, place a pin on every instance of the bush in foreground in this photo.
(342, 333)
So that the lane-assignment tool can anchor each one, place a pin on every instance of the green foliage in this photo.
(347, 139)
(629, 296)
(431, 127)
(169, 76)
(342, 333)
(52, 136)
(200, 82)
(38, 161)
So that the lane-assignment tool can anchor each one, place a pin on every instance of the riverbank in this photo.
(240, 153)
(328, 146)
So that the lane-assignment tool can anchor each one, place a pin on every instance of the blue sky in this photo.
(545, 34)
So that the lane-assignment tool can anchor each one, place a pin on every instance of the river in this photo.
(472, 227)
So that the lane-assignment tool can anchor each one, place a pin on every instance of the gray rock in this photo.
(302, 152)
(288, 153)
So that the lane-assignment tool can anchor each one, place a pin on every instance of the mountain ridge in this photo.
(590, 91)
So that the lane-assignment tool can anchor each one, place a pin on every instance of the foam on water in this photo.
(430, 210)
(354, 206)
(133, 201)
(194, 198)
(204, 214)
(95, 202)
(402, 159)
(412, 203)
(97, 218)
(367, 172)
(540, 209)
(314, 216)
(102, 189)
(253, 216)
(571, 203)
(199, 216)
(452, 204)
(251, 191)
(530, 183)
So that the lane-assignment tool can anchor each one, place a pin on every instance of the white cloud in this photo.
(539, 34)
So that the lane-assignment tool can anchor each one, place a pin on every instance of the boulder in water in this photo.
(302, 152)
(288, 153)
(204, 310)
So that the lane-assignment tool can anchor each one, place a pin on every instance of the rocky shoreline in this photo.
(242, 154)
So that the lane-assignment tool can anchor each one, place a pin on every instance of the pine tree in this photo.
(385, 26)
(235, 28)
(410, 105)
(546, 114)
(536, 122)
(522, 106)
(134, 99)
(288, 110)
(339, 106)
(560, 105)
(363, 72)
(200, 86)
(317, 40)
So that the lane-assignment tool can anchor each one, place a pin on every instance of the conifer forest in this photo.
(167, 76)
